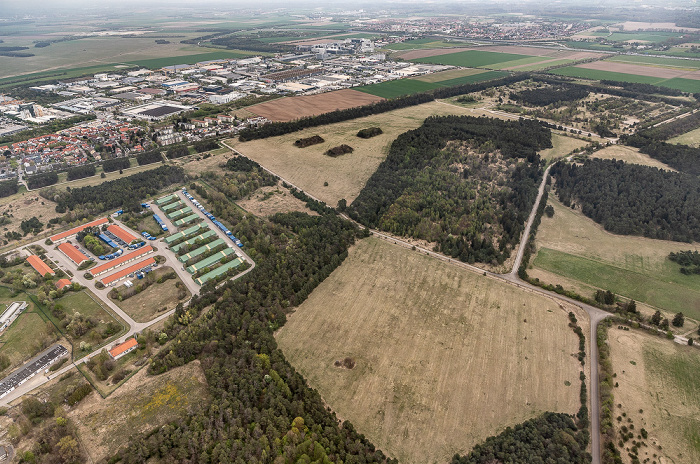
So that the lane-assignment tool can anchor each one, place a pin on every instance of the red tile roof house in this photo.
(123, 348)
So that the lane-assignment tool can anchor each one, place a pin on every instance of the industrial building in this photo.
(10, 314)
(119, 275)
(218, 271)
(123, 259)
(213, 259)
(187, 233)
(204, 236)
(201, 250)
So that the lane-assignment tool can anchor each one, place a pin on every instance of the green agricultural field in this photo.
(657, 60)
(156, 63)
(472, 58)
(480, 77)
(425, 44)
(684, 85)
(397, 88)
(596, 74)
(449, 74)
(583, 45)
(543, 65)
(574, 247)
(641, 36)
(524, 61)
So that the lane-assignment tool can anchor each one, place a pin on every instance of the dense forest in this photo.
(149, 157)
(471, 195)
(116, 164)
(548, 95)
(281, 128)
(8, 187)
(42, 180)
(630, 199)
(125, 192)
(80, 172)
(551, 438)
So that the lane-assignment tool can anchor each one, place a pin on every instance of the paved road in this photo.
(595, 315)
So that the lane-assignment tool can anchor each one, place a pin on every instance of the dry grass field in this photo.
(290, 108)
(267, 201)
(658, 391)
(139, 405)
(691, 138)
(575, 247)
(562, 146)
(154, 301)
(444, 357)
(630, 155)
(346, 175)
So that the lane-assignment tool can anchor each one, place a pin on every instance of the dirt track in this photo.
(290, 108)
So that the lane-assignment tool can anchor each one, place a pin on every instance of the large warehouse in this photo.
(156, 111)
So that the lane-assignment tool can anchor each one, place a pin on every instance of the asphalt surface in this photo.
(31, 368)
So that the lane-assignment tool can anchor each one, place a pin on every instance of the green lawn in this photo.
(472, 58)
(667, 289)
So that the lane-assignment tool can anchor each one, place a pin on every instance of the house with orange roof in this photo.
(123, 348)
(62, 283)
(39, 266)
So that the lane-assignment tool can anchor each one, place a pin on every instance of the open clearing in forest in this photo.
(270, 200)
(309, 167)
(630, 155)
(154, 300)
(573, 246)
(658, 391)
(290, 108)
(141, 404)
(562, 145)
(444, 357)
(691, 138)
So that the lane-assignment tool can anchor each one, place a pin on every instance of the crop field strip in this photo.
(444, 357)
(682, 84)
(408, 86)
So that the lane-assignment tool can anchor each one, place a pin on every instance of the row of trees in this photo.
(630, 199)
(281, 128)
(8, 187)
(471, 197)
(116, 164)
(80, 172)
(43, 179)
(125, 193)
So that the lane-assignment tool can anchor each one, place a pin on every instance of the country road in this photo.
(595, 314)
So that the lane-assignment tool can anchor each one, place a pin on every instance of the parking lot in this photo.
(30, 369)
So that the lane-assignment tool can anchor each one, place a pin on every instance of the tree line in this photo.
(471, 197)
(281, 128)
(8, 187)
(125, 193)
(116, 164)
(548, 95)
(631, 199)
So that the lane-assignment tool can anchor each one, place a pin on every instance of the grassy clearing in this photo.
(444, 357)
(155, 300)
(473, 58)
(270, 200)
(691, 138)
(562, 146)
(139, 405)
(630, 155)
(155, 63)
(658, 391)
(575, 247)
(641, 36)
(23, 338)
(346, 175)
